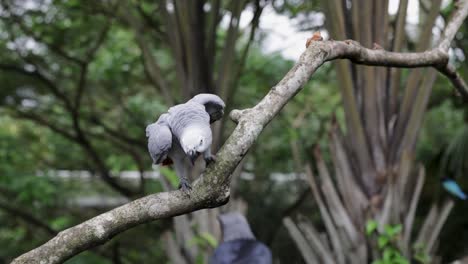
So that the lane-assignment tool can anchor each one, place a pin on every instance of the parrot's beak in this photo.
(193, 157)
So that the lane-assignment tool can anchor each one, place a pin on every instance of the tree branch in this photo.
(437, 58)
(80, 89)
(116, 133)
(225, 72)
(243, 58)
(358, 54)
(54, 126)
(80, 138)
(212, 188)
(37, 37)
(149, 19)
(350, 78)
(152, 68)
(398, 40)
(36, 73)
(457, 81)
(455, 22)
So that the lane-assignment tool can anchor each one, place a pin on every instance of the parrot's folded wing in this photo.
(214, 105)
(159, 141)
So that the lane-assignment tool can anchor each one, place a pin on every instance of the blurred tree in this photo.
(90, 75)
(373, 155)
(96, 72)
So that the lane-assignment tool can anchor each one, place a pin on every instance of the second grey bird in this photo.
(183, 133)
(239, 244)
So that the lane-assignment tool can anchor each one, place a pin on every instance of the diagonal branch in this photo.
(212, 189)
(254, 23)
(54, 126)
(116, 133)
(79, 137)
(395, 75)
(36, 73)
(228, 53)
(152, 68)
(90, 53)
(37, 37)
(80, 89)
(150, 20)
(307, 252)
(452, 27)
(457, 81)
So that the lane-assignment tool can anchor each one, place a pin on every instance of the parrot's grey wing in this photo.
(159, 141)
(182, 116)
(214, 105)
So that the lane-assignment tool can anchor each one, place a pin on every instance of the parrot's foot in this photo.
(184, 185)
(210, 159)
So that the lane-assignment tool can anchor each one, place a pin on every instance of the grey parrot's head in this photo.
(235, 226)
(195, 140)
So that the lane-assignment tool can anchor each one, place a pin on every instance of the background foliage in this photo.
(76, 95)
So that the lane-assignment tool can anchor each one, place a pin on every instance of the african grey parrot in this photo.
(239, 244)
(183, 133)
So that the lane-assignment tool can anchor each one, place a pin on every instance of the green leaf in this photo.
(371, 226)
(60, 222)
(203, 239)
(420, 255)
(210, 239)
(387, 254)
(397, 229)
(392, 231)
(422, 258)
(382, 241)
(199, 259)
(401, 260)
(293, 134)
(195, 241)
(418, 246)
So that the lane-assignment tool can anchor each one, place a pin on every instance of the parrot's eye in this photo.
(201, 142)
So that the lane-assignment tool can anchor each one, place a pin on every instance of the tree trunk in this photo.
(373, 162)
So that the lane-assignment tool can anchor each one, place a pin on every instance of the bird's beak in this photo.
(193, 157)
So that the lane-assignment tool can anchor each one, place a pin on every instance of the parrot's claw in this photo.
(210, 159)
(185, 186)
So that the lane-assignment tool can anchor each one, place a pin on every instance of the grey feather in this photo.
(184, 115)
(239, 245)
(214, 105)
(159, 139)
(185, 128)
(235, 226)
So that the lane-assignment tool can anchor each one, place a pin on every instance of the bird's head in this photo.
(195, 141)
